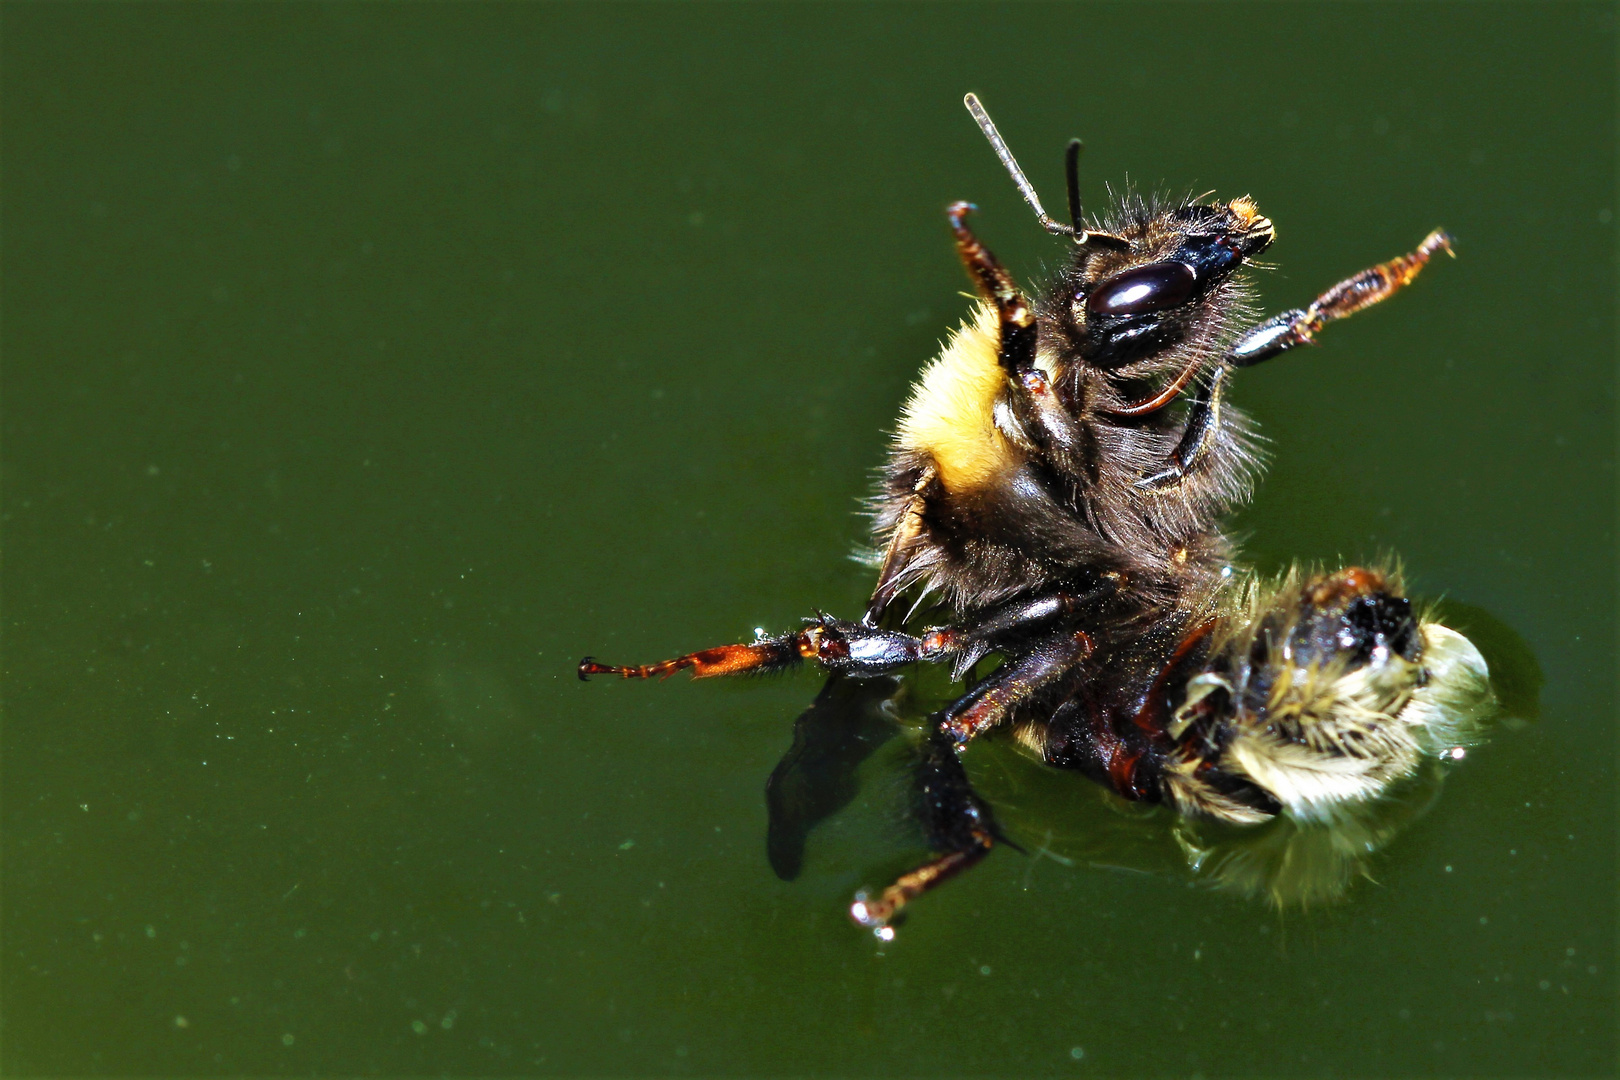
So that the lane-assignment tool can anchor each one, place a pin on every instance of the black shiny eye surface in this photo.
(1153, 287)
(1210, 257)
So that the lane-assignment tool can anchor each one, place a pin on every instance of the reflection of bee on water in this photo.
(1056, 484)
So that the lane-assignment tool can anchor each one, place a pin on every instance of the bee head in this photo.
(1148, 283)
(1164, 283)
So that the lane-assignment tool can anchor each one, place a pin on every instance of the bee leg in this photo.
(1044, 417)
(1300, 326)
(1018, 621)
(1203, 420)
(959, 826)
(998, 287)
(1282, 332)
(852, 648)
(992, 701)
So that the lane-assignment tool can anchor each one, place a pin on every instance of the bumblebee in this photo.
(1055, 490)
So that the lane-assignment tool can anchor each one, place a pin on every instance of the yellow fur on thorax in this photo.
(950, 416)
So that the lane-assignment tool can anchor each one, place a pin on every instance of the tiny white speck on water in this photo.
(1077, 1052)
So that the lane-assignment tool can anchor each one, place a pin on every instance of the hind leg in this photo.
(958, 825)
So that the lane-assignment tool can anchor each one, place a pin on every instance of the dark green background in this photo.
(365, 365)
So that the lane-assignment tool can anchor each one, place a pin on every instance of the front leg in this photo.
(1033, 398)
(997, 286)
(1279, 334)
(1299, 327)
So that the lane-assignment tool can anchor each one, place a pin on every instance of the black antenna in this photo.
(1027, 190)
(1071, 171)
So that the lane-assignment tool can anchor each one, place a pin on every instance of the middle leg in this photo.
(992, 701)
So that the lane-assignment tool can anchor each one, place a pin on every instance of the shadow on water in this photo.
(816, 778)
(1516, 676)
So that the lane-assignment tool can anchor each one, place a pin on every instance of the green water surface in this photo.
(365, 365)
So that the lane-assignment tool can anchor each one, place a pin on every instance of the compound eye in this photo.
(1153, 287)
